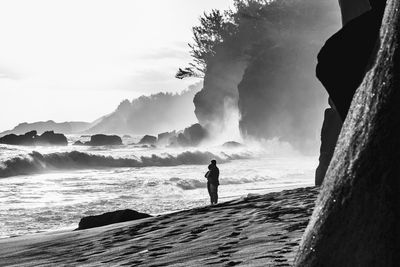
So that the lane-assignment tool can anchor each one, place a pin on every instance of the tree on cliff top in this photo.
(214, 28)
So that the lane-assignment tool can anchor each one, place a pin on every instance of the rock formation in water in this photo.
(51, 139)
(266, 70)
(192, 136)
(219, 95)
(166, 138)
(32, 139)
(104, 140)
(356, 219)
(279, 95)
(148, 140)
(110, 218)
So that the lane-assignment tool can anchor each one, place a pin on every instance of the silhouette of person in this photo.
(213, 181)
(345, 57)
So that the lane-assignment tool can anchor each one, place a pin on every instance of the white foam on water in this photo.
(58, 198)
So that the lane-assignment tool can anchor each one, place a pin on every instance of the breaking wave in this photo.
(190, 184)
(36, 162)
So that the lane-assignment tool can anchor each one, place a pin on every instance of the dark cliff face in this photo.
(219, 94)
(267, 71)
(356, 218)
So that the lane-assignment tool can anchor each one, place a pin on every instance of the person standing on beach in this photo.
(213, 181)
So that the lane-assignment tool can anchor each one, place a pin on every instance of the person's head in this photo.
(214, 162)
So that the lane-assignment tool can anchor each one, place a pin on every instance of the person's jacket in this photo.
(213, 176)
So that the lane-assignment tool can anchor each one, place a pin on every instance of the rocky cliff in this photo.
(266, 71)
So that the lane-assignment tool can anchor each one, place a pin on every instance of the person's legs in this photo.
(210, 192)
(214, 193)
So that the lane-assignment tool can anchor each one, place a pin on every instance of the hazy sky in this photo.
(77, 59)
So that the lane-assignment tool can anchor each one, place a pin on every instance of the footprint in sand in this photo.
(234, 234)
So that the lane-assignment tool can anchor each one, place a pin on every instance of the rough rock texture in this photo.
(257, 231)
(356, 219)
(329, 136)
(110, 218)
(104, 140)
(148, 139)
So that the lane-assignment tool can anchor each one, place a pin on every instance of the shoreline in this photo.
(257, 230)
(225, 199)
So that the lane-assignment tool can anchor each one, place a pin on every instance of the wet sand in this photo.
(262, 230)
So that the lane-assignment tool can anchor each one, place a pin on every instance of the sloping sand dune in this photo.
(254, 231)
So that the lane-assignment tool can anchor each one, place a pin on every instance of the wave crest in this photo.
(36, 162)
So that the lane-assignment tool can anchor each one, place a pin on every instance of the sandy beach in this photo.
(262, 230)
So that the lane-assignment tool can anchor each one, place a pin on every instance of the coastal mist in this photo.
(190, 130)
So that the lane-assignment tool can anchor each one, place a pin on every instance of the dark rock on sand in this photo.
(148, 139)
(104, 140)
(329, 135)
(127, 136)
(110, 218)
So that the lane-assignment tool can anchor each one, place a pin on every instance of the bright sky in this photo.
(77, 59)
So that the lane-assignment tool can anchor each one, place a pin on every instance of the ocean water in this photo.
(52, 188)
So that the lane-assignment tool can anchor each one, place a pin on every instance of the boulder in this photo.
(51, 138)
(78, 143)
(191, 136)
(104, 140)
(166, 138)
(148, 139)
(195, 134)
(110, 218)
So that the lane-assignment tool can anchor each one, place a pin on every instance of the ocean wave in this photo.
(190, 184)
(36, 162)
